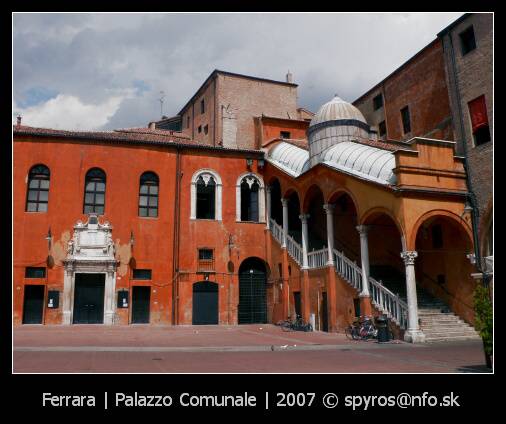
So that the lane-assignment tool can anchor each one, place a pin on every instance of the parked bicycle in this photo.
(362, 329)
(297, 324)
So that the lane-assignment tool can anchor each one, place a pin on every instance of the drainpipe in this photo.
(175, 241)
(471, 196)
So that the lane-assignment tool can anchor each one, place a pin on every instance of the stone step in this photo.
(444, 326)
(436, 331)
(452, 338)
(439, 333)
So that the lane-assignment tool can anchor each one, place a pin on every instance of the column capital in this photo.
(304, 217)
(329, 208)
(409, 257)
(362, 229)
(284, 202)
(268, 188)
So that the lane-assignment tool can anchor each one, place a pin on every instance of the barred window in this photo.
(38, 189)
(94, 192)
(148, 195)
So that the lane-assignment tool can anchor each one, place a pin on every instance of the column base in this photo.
(66, 318)
(365, 305)
(109, 317)
(414, 336)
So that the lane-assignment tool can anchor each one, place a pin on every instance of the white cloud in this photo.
(96, 57)
(69, 113)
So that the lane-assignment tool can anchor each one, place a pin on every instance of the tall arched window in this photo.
(206, 195)
(94, 191)
(148, 195)
(38, 189)
(249, 199)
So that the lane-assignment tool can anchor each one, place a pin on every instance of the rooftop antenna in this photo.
(162, 96)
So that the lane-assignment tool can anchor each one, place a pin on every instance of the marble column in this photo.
(284, 202)
(329, 211)
(364, 257)
(413, 334)
(305, 263)
(268, 206)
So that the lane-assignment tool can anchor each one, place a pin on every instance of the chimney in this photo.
(289, 77)
(19, 120)
(152, 125)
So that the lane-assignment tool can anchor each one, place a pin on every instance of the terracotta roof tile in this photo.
(133, 135)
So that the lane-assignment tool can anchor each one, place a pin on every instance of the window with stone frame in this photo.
(205, 259)
(38, 189)
(206, 197)
(377, 102)
(467, 40)
(406, 120)
(250, 199)
(148, 195)
(94, 192)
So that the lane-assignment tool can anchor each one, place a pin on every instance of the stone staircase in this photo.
(437, 321)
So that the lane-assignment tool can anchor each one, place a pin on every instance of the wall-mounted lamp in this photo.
(49, 238)
(249, 162)
(261, 163)
(468, 209)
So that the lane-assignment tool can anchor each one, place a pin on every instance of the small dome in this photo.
(337, 109)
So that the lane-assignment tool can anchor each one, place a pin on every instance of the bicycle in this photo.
(296, 325)
(362, 329)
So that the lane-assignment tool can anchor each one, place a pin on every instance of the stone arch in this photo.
(345, 219)
(335, 194)
(261, 195)
(367, 215)
(411, 242)
(206, 172)
(312, 206)
(443, 242)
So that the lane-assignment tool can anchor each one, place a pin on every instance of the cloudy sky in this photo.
(105, 71)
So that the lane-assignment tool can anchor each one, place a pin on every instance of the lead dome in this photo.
(335, 122)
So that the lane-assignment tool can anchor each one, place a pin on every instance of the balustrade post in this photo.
(413, 333)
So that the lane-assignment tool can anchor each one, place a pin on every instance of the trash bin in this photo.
(382, 326)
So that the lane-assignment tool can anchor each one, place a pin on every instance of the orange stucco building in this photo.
(152, 226)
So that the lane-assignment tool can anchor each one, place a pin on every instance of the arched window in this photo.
(249, 199)
(148, 195)
(94, 192)
(38, 189)
(206, 195)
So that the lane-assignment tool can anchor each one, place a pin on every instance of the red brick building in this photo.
(312, 218)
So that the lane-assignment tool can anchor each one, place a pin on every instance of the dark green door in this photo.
(33, 305)
(205, 303)
(325, 317)
(140, 304)
(252, 296)
(296, 302)
(89, 299)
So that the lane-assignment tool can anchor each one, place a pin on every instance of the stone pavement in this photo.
(244, 349)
